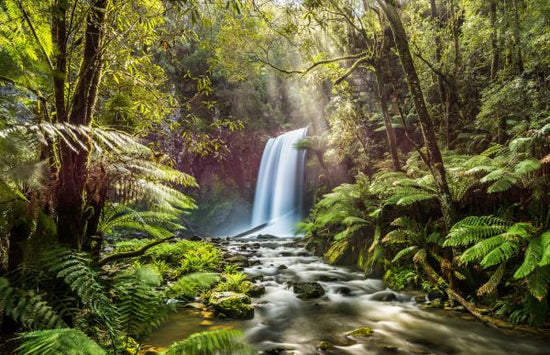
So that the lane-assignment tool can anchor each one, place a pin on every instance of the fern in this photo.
(214, 342)
(65, 341)
(493, 282)
(187, 286)
(27, 308)
(404, 252)
(76, 271)
(140, 306)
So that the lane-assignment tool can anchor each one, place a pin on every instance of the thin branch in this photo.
(131, 254)
(311, 67)
(354, 67)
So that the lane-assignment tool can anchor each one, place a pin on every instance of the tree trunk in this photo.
(390, 131)
(435, 160)
(73, 171)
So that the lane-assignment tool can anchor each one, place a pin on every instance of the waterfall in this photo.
(279, 191)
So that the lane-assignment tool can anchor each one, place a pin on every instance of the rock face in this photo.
(308, 290)
(232, 305)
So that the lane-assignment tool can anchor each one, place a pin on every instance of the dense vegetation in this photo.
(428, 166)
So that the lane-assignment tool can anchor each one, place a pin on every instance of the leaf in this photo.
(532, 258)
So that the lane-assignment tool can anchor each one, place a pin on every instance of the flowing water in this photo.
(280, 185)
(284, 321)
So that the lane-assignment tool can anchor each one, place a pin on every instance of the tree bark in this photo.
(435, 159)
(71, 216)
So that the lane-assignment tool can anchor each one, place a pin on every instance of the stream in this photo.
(284, 322)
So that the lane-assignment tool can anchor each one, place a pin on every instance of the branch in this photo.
(313, 66)
(353, 67)
(131, 254)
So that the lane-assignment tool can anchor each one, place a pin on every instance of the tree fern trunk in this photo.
(74, 164)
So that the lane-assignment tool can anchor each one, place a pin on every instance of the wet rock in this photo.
(282, 267)
(327, 278)
(437, 303)
(383, 296)
(437, 295)
(232, 305)
(258, 277)
(278, 350)
(308, 290)
(344, 290)
(363, 332)
(243, 247)
(256, 290)
(419, 299)
(255, 245)
(286, 253)
(390, 348)
(254, 262)
(240, 260)
(324, 345)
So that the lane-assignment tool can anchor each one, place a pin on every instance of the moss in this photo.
(232, 305)
(363, 332)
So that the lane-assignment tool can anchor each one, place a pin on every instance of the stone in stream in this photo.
(240, 260)
(383, 296)
(363, 332)
(256, 290)
(232, 305)
(308, 290)
(282, 267)
(326, 278)
(344, 290)
(278, 350)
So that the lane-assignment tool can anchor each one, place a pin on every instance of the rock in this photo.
(282, 267)
(326, 278)
(308, 290)
(254, 262)
(419, 299)
(256, 290)
(436, 294)
(344, 290)
(286, 253)
(390, 348)
(240, 260)
(255, 245)
(258, 277)
(363, 332)
(232, 305)
(383, 296)
(437, 303)
(324, 345)
(278, 350)
(243, 247)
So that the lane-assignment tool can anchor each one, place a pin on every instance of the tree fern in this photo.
(493, 282)
(67, 341)
(214, 342)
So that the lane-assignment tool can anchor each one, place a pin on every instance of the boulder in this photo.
(436, 294)
(240, 260)
(308, 290)
(282, 267)
(232, 305)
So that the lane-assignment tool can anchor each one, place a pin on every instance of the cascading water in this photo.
(279, 190)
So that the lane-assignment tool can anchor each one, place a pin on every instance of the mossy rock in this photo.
(232, 305)
(308, 290)
(363, 332)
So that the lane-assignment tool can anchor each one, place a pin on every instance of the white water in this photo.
(279, 191)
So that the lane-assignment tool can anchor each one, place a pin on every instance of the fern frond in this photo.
(537, 282)
(493, 282)
(68, 341)
(214, 342)
(504, 252)
(404, 252)
(481, 249)
(27, 308)
(545, 248)
(533, 254)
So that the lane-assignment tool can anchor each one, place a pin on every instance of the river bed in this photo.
(350, 301)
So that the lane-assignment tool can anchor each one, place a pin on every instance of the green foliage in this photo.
(219, 342)
(68, 341)
(28, 308)
(234, 282)
(189, 285)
